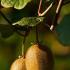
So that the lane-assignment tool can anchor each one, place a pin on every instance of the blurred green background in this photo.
(58, 41)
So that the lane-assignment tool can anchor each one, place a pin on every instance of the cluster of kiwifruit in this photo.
(38, 57)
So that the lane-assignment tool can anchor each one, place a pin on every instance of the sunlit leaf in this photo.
(18, 4)
(30, 21)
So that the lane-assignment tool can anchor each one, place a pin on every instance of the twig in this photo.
(59, 6)
(57, 13)
(23, 46)
(47, 9)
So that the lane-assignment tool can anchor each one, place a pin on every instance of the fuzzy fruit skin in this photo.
(39, 57)
(18, 64)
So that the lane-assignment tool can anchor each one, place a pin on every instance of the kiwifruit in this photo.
(39, 57)
(18, 64)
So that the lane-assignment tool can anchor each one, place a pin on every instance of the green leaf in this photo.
(29, 21)
(18, 4)
(63, 30)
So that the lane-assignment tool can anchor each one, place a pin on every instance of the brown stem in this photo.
(23, 46)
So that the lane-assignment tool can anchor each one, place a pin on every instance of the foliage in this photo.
(30, 21)
(24, 14)
(18, 4)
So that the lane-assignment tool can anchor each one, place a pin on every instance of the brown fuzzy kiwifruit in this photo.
(18, 64)
(39, 57)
